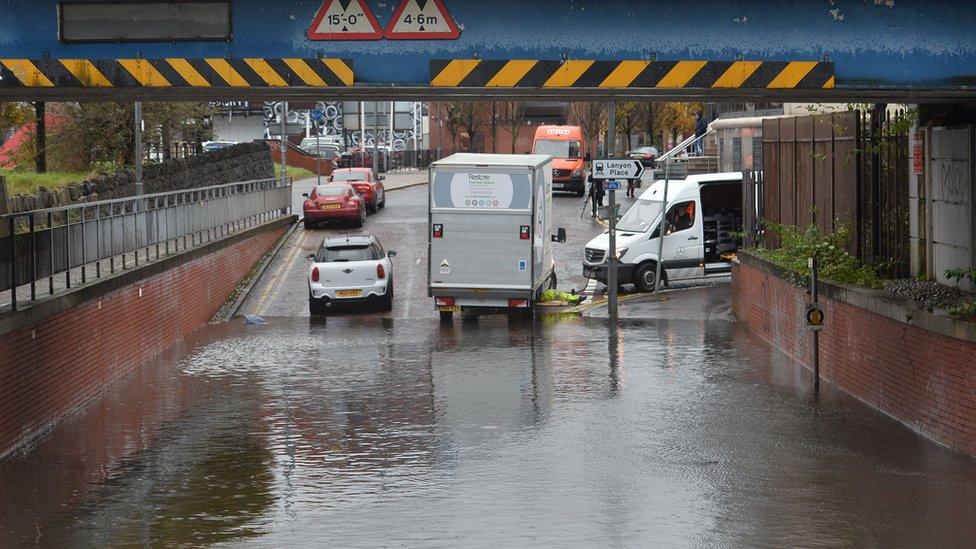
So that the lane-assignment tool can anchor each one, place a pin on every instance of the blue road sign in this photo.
(317, 115)
(611, 185)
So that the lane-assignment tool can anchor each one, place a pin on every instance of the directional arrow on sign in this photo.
(617, 169)
(345, 20)
(422, 20)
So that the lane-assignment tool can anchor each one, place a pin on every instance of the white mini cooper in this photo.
(350, 270)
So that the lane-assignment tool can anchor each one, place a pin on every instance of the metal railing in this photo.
(88, 240)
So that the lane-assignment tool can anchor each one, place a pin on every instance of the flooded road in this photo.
(365, 431)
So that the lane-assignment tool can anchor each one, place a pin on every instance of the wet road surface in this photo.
(379, 432)
(677, 428)
(401, 226)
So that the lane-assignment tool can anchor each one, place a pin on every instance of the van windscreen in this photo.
(640, 217)
(558, 148)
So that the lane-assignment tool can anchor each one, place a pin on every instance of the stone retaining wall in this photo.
(242, 162)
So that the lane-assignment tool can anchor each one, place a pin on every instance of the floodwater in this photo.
(378, 432)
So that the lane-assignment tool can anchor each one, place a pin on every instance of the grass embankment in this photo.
(27, 182)
(294, 172)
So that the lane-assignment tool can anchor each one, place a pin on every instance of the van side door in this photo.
(683, 250)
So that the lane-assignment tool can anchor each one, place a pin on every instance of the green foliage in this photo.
(799, 245)
(295, 172)
(27, 181)
(965, 311)
(961, 274)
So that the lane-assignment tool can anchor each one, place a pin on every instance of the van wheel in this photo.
(579, 192)
(646, 277)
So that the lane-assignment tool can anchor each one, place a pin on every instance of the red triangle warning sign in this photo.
(345, 20)
(422, 20)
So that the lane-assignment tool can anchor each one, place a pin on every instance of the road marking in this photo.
(275, 280)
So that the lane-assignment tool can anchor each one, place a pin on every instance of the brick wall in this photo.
(923, 378)
(52, 365)
(298, 157)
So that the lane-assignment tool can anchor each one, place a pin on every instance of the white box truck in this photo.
(489, 237)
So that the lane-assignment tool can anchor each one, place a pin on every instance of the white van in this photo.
(704, 220)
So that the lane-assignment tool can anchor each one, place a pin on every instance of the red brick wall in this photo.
(922, 378)
(50, 368)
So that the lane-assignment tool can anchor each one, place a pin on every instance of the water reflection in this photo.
(495, 432)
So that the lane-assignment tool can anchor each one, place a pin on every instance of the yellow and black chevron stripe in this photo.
(476, 73)
(175, 72)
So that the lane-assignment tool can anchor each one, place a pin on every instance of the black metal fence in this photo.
(52, 249)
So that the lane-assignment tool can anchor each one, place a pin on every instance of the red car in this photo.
(334, 202)
(372, 189)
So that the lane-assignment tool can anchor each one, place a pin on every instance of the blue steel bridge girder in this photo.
(854, 49)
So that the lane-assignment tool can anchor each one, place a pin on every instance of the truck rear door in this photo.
(481, 229)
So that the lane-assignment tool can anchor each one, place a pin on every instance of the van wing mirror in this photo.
(587, 158)
(560, 236)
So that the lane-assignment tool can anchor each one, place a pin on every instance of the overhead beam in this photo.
(425, 93)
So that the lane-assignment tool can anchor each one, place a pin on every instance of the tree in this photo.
(493, 117)
(187, 121)
(627, 118)
(13, 115)
(648, 115)
(678, 118)
(470, 120)
(514, 117)
(591, 117)
(452, 120)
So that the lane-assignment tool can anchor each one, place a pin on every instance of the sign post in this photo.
(815, 319)
(610, 172)
(662, 229)
(317, 117)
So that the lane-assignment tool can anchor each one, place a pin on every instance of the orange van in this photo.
(565, 145)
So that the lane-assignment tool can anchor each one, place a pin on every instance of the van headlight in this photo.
(578, 173)
(621, 252)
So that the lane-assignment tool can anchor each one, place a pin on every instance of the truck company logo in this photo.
(482, 190)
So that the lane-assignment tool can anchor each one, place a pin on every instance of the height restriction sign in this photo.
(345, 20)
(422, 20)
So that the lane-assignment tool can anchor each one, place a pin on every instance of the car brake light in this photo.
(445, 301)
(518, 303)
(380, 271)
(315, 274)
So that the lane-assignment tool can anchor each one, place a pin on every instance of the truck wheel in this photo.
(646, 277)
(447, 316)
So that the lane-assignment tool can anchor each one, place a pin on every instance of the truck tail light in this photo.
(518, 303)
(445, 301)
(315, 274)
(438, 230)
(380, 272)
(524, 232)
